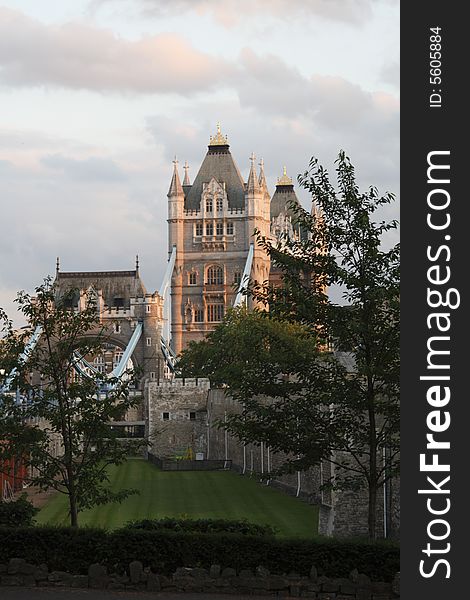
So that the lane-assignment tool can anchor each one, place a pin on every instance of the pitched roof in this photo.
(175, 185)
(218, 163)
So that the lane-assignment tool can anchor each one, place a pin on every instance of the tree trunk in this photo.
(372, 519)
(73, 510)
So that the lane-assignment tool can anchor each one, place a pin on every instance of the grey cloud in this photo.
(84, 57)
(391, 74)
(229, 13)
(89, 169)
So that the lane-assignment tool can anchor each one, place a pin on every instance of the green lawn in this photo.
(203, 494)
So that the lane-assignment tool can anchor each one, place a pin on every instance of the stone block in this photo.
(182, 572)
(326, 596)
(60, 578)
(41, 573)
(396, 584)
(136, 569)
(79, 581)
(330, 586)
(3, 568)
(117, 586)
(347, 587)
(246, 573)
(199, 573)
(214, 571)
(380, 587)
(29, 580)
(363, 594)
(97, 576)
(313, 573)
(363, 581)
(12, 580)
(262, 571)
(229, 572)
(277, 583)
(294, 590)
(354, 575)
(153, 582)
(16, 565)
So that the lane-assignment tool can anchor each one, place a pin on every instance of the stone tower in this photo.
(211, 222)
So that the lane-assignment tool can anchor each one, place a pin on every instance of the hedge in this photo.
(17, 513)
(202, 526)
(73, 550)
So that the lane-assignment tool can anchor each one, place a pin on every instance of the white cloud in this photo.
(81, 56)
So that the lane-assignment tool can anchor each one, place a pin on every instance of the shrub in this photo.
(202, 526)
(73, 550)
(17, 513)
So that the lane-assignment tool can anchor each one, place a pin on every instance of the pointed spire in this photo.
(136, 264)
(252, 184)
(186, 180)
(262, 179)
(285, 179)
(175, 185)
(218, 139)
(57, 266)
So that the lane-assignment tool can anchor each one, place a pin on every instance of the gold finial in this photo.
(284, 180)
(218, 139)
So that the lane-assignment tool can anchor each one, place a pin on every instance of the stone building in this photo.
(123, 305)
(211, 223)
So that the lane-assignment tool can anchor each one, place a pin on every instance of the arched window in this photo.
(215, 275)
(219, 204)
(209, 205)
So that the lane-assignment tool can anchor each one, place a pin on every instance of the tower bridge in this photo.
(212, 255)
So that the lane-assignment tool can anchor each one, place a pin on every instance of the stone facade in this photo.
(174, 433)
(211, 223)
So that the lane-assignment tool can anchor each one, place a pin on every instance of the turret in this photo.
(175, 210)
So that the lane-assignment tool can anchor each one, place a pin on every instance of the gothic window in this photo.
(209, 228)
(219, 204)
(215, 275)
(209, 205)
(99, 364)
(193, 278)
(198, 315)
(215, 313)
(229, 228)
(199, 229)
(237, 277)
(117, 327)
(149, 341)
(219, 229)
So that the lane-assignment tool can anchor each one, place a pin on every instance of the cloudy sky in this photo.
(97, 97)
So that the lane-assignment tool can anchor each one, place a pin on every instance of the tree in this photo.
(57, 421)
(339, 405)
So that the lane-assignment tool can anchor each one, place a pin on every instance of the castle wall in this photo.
(342, 513)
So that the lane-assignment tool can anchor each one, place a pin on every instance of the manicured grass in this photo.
(202, 494)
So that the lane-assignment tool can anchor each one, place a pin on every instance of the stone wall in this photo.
(342, 513)
(357, 587)
(177, 417)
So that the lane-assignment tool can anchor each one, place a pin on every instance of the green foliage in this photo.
(201, 526)
(72, 549)
(297, 395)
(17, 513)
(60, 409)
